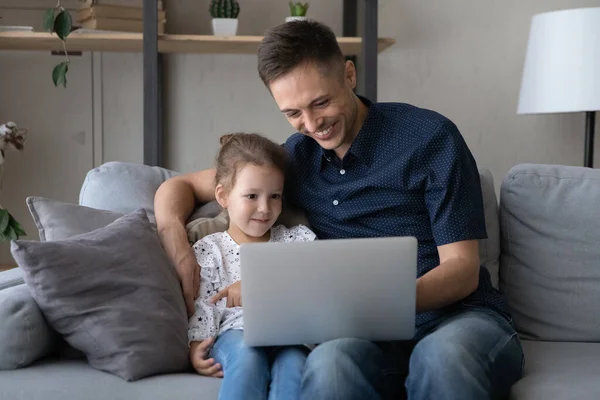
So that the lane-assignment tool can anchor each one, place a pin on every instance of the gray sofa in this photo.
(543, 250)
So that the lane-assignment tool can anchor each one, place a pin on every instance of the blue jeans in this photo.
(474, 353)
(248, 371)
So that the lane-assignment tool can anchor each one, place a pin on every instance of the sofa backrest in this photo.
(122, 187)
(550, 261)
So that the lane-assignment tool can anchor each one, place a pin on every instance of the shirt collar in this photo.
(361, 148)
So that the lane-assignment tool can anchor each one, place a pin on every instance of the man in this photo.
(363, 169)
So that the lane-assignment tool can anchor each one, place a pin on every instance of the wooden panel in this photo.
(132, 42)
(38, 4)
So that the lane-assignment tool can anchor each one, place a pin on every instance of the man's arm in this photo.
(174, 202)
(455, 278)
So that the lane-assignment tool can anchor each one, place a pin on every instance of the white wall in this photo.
(464, 58)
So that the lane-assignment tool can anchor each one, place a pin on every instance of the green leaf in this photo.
(9, 234)
(63, 24)
(16, 226)
(49, 20)
(59, 74)
(4, 220)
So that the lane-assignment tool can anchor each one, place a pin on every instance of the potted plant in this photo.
(297, 11)
(224, 14)
(10, 137)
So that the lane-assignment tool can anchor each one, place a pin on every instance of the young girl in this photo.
(249, 184)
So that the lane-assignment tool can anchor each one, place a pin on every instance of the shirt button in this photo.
(342, 171)
(335, 202)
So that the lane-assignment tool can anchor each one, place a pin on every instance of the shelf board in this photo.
(132, 42)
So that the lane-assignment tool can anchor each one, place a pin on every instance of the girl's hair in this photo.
(239, 149)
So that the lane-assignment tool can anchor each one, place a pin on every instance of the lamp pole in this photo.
(590, 122)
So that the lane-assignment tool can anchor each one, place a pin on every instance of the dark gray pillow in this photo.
(113, 294)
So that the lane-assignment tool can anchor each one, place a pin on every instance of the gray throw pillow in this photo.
(56, 220)
(113, 294)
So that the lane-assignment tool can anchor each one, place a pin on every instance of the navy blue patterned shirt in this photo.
(407, 173)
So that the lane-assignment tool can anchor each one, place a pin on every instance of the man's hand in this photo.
(233, 294)
(198, 353)
(188, 271)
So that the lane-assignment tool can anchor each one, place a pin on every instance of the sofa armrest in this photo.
(10, 278)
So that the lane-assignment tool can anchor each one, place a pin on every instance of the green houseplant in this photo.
(224, 15)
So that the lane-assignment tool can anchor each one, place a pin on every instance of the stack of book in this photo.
(116, 15)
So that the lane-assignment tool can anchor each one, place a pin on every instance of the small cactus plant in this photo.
(298, 9)
(224, 8)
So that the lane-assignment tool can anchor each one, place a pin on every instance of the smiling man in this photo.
(363, 169)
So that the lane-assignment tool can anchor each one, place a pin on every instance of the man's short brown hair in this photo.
(294, 43)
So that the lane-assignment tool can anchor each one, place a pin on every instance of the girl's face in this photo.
(253, 203)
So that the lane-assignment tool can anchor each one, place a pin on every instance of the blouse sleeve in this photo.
(205, 322)
(301, 233)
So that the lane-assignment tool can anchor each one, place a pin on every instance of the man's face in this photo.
(320, 104)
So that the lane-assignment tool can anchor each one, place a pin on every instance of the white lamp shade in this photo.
(562, 65)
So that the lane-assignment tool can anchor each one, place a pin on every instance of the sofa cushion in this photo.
(123, 187)
(550, 272)
(10, 278)
(204, 226)
(113, 294)
(24, 334)
(57, 220)
(52, 379)
(555, 370)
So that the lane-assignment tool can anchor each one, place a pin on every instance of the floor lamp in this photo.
(562, 68)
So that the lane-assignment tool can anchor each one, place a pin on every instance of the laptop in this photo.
(312, 292)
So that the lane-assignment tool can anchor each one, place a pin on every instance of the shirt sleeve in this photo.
(205, 322)
(301, 233)
(453, 189)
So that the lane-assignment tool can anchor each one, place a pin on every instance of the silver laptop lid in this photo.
(311, 292)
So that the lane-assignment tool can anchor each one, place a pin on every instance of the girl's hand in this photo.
(233, 294)
(198, 353)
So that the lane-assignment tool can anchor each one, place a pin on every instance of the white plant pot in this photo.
(224, 26)
(289, 19)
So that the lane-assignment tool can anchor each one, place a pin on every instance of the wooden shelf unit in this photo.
(133, 42)
(363, 50)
